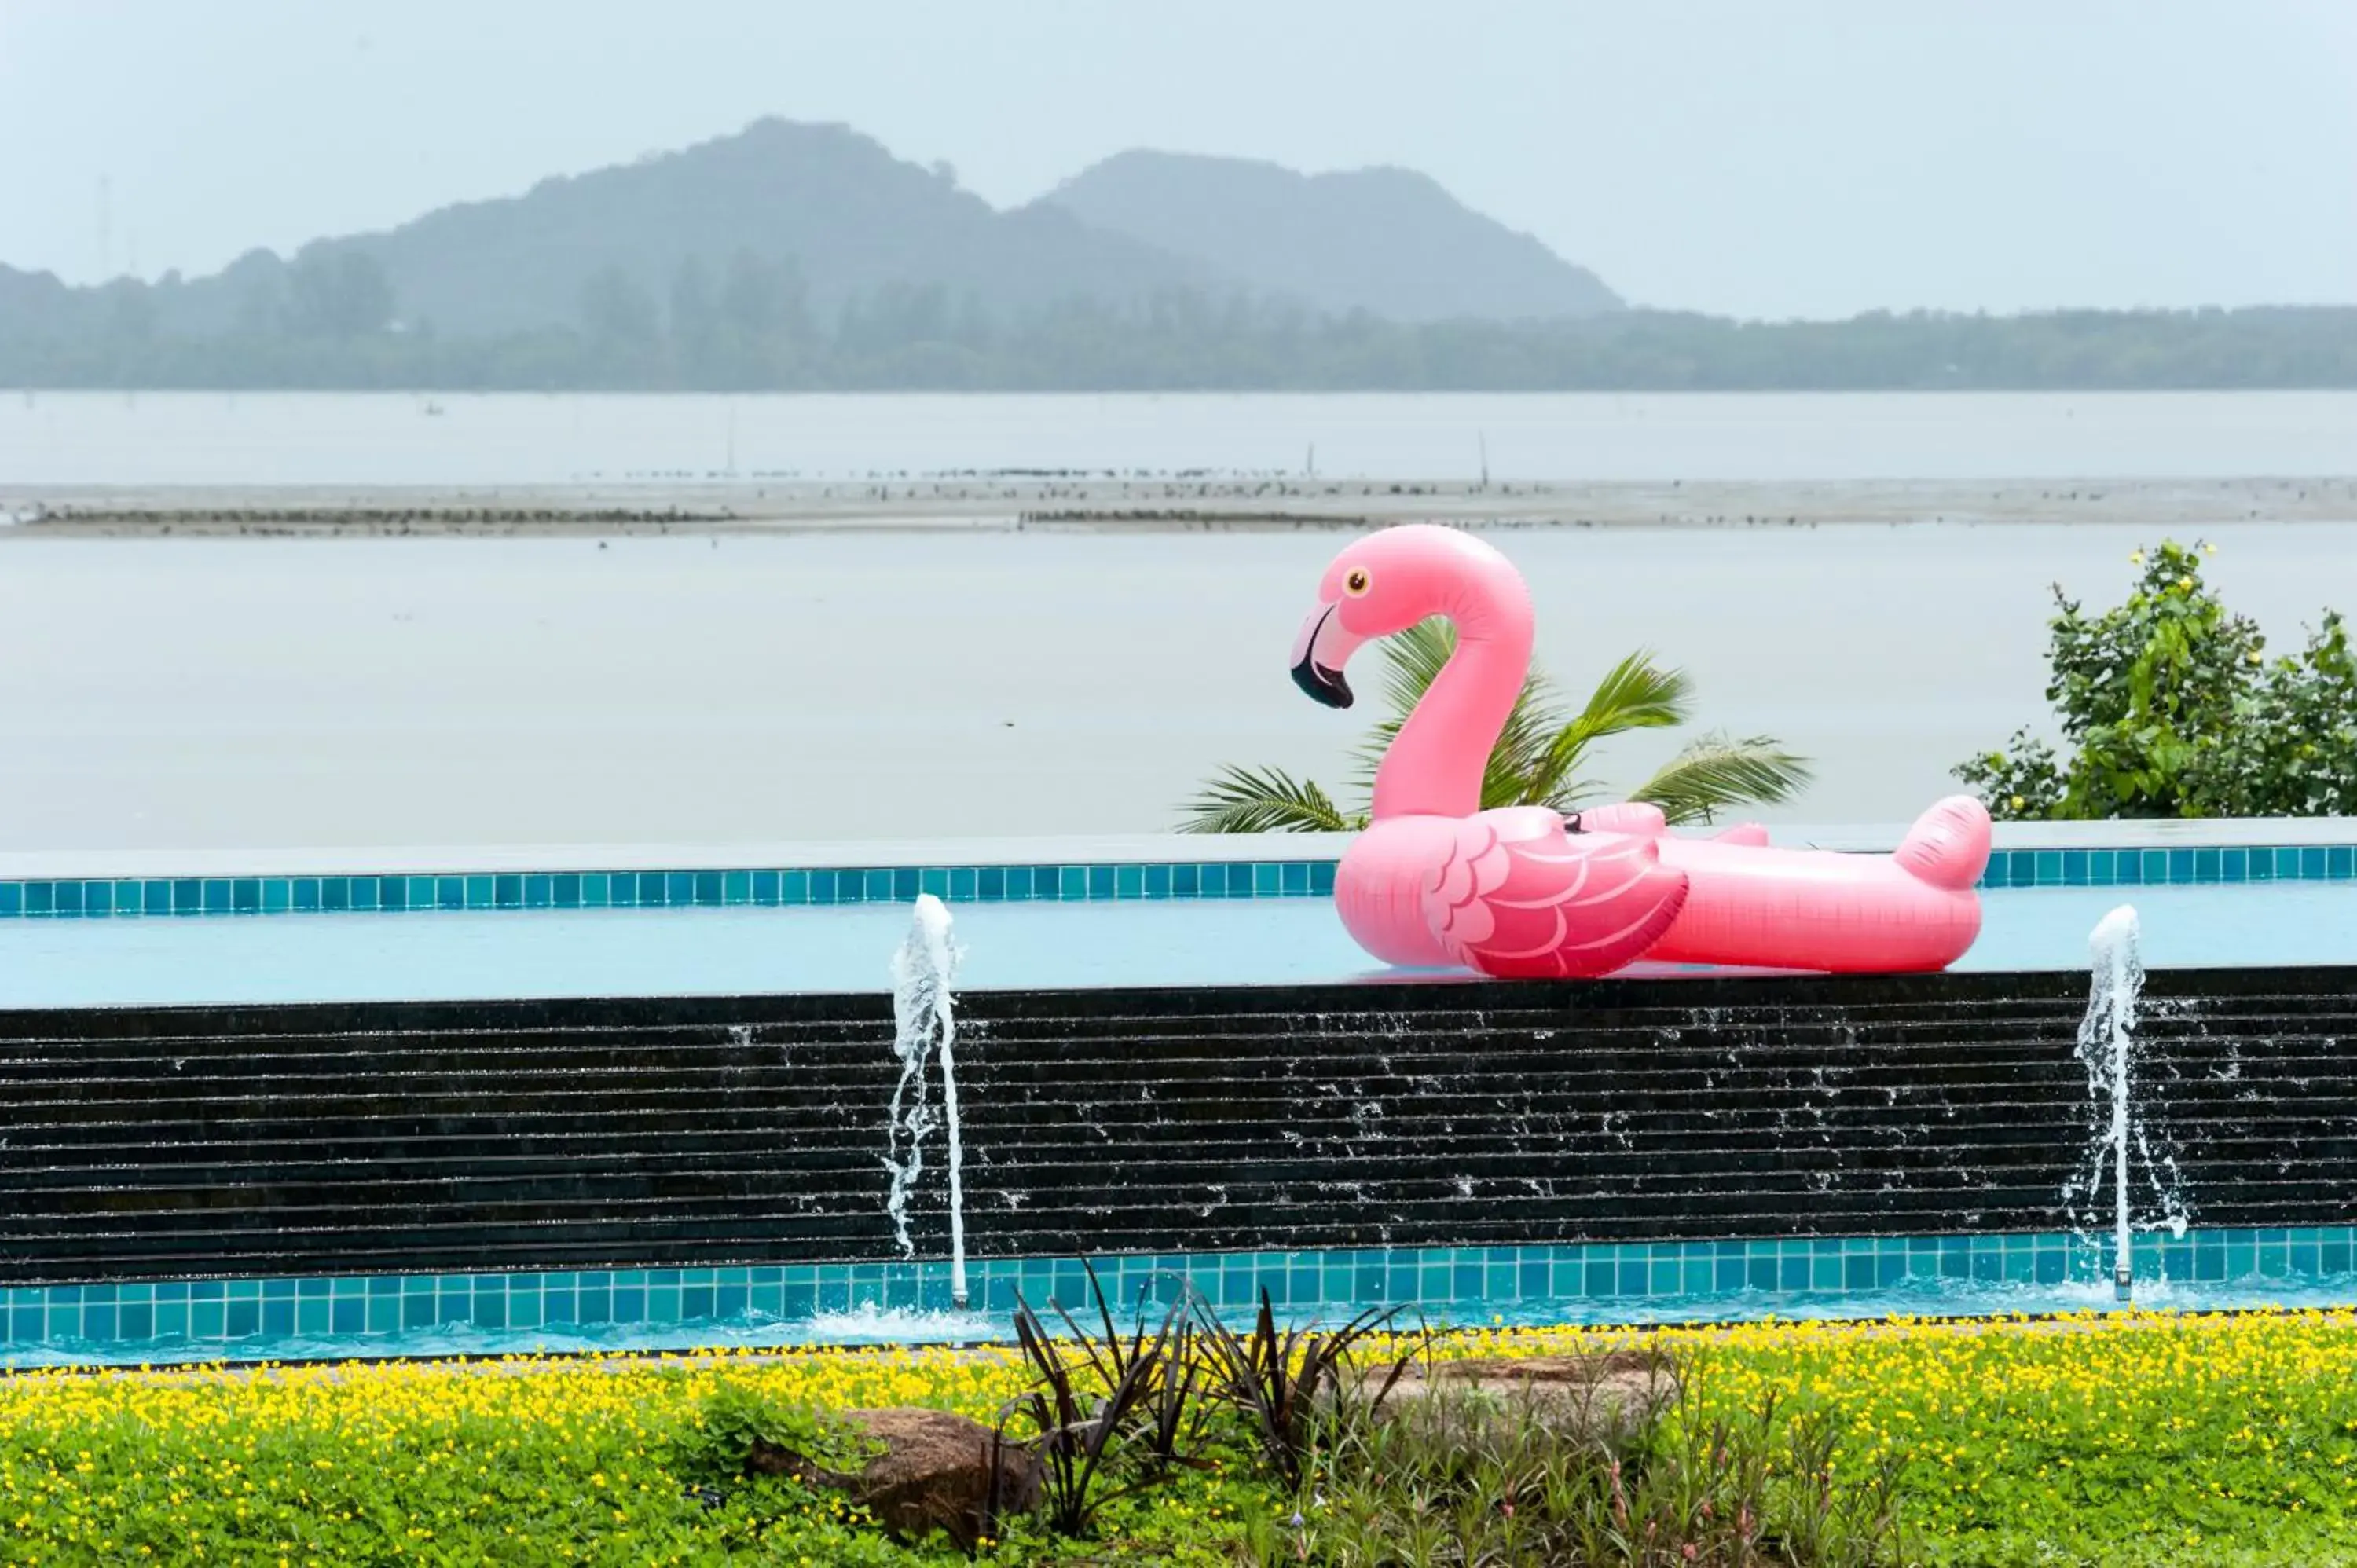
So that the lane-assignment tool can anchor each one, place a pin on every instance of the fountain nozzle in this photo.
(2123, 1283)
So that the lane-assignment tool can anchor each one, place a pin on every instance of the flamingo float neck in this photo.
(1435, 764)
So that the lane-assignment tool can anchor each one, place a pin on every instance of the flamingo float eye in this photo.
(1355, 583)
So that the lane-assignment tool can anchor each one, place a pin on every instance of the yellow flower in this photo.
(2135, 558)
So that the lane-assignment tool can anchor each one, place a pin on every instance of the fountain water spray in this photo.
(924, 1022)
(2116, 982)
(2106, 1047)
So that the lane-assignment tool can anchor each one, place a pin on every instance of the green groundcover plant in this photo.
(2148, 1440)
(2169, 706)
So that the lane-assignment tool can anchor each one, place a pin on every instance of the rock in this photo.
(1610, 1393)
(934, 1473)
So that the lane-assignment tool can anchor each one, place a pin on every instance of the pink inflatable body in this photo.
(1434, 881)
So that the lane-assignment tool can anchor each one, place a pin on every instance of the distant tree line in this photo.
(747, 324)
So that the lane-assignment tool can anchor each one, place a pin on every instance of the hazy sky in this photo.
(1785, 158)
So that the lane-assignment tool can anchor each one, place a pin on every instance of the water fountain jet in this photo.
(925, 1025)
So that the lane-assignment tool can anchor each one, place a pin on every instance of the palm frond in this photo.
(1265, 801)
(1716, 772)
(1635, 693)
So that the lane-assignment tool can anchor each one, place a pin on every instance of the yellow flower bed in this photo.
(2139, 1438)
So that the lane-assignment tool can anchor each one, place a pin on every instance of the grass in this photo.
(2151, 1439)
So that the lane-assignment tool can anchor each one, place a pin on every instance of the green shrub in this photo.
(2170, 707)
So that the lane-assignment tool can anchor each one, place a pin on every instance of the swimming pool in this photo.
(747, 951)
(261, 1116)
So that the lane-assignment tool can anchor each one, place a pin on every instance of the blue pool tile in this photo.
(1994, 874)
(2310, 862)
(539, 891)
(2074, 868)
(2233, 865)
(65, 897)
(2260, 867)
(657, 890)
(1321, 878)
(2340, 862)
(709, 886)
(2103, 867)
(1268, 879)
(1015, 884)
(368, 892)
(875, 885)
(794, 887)
(934, 879)
(1158, 881)
(1186, 881)
(736, 887)
(1073, 882)
(507, 892)
(38, 897)
(966, 883)
(765, 888)
(2128, 867)
(597, 889)
(155, 898)
(990, 884)
(98, 900)
(278, 896)
(2205, 866)
(1100, 883)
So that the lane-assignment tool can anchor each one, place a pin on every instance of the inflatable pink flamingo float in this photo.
(1520, 891)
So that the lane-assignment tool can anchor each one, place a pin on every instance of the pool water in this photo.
(868, 1324)
(755, 951)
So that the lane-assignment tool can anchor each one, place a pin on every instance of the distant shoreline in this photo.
(1175, 504)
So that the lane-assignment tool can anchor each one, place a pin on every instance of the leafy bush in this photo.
(2170, 707)
(1285, 1384)
(1076, 1434)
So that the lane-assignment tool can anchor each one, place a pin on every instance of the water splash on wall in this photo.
(925, 1026)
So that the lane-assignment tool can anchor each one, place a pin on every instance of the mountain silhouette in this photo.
(1388, 241)
(838, 219)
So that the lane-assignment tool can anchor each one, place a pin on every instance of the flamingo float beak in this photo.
(1318, 655)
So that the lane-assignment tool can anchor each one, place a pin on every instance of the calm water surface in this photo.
(147, 438)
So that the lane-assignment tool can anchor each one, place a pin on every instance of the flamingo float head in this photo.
(1388, 581)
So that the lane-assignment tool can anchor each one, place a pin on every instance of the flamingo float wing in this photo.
(1518, 897)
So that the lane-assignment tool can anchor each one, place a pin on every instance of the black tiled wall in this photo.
(451, 1137)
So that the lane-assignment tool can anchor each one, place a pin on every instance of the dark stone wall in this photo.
(462, 1137)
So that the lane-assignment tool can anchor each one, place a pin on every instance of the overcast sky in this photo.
(1762, 159)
